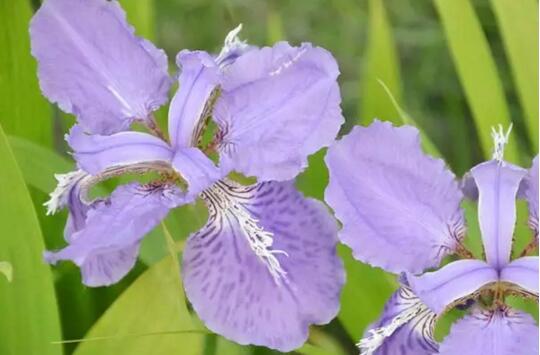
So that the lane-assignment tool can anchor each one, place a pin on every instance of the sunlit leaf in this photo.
(150, 317)
(518, 23)
(28, 307)
(381, 63)
(23, 111)
(6, 269)
(477, 71)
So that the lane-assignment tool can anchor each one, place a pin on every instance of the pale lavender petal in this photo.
(453, 282)
(400, 208)
(531, 195)
(196, 168)
(92, 65)
(405, 327)
(497, 183)
(499, 332)
(198, 79)
(522, 272)
(96, 153)
(105, 247)
(232, 289)
(278, 105)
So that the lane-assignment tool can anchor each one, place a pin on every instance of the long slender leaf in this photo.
(29, 320)
(518, 23)
(150, 317)
(23, 111)
(477, 71)
(381, 63)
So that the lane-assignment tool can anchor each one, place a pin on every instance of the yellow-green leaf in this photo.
(381, 63)
(29, 320)
(477, 71)
(150, 317)
(518, 24)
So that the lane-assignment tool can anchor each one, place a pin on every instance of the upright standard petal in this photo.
(277, 106)
(497, 183)
(192, 104)
(91, 63)
(500, 332)
(454, 282)
(106, 246)
(405, 327)
(96, 153)
(524, 273)
(264, 267)
(392, 199)
(531, 195)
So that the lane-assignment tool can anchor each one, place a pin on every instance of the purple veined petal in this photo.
(91, 63)
(198, 79)
(405, 327)
(264, 267)
(197, 169)
(96, 153)
(106, 246)
(278, 105)
(500, 332)
(453, 282)
(392, 199)
(522, 272)
(530, 192)
(497, 183)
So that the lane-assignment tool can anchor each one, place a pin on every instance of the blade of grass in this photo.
(30, 318)
(23, 111)
(518, 24)
(477, 71)
(381, 63)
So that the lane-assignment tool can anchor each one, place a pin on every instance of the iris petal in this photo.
(92, 64)
(227, 267)
(96, 153)
(393, 199)
(405, 327)
(105, 247)
(497, 183)
(278, 105)
(459, 279)
(500, 332)
(524, 273)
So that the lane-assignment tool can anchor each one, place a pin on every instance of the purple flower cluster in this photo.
(401, 211)
(264, 267)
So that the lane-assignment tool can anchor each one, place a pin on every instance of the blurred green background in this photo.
(454, 68)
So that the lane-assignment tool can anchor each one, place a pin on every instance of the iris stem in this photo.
(530, 247)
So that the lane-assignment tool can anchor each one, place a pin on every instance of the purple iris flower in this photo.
(401, 211)
(264, 267)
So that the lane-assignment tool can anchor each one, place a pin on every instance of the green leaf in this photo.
(518, 23)
(381, 63)
(477, 71)
(23, 111)
(38, 165)
(150, 317)
(141, 14)
(29, 320)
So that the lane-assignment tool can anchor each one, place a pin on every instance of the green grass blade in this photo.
(518, 24)
(477, 71)
(381, 63)
(29, 320)
(23, 111)
(150, 317)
